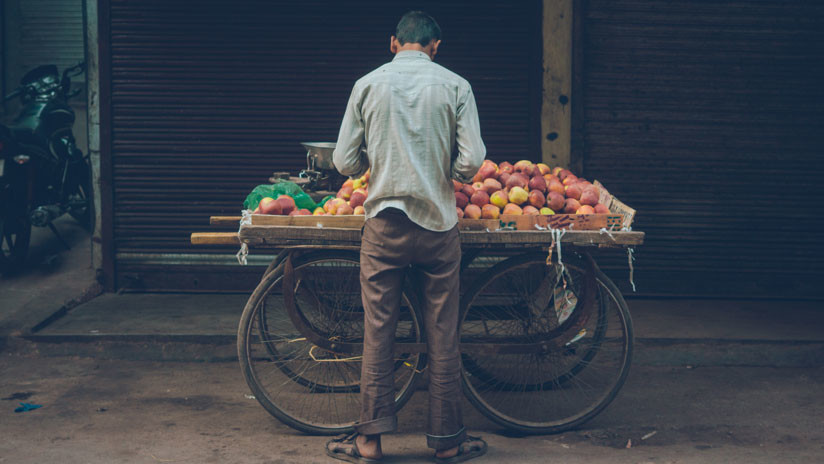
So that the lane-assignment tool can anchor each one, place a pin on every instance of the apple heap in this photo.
(349, 199)
(282, 205)
(525, 188)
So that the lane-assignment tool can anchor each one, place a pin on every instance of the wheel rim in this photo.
(551, 391)
(313, 389)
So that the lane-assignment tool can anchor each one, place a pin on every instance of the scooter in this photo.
(43, 175)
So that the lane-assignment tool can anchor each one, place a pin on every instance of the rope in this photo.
(244, 248)
(630, 259)
(312, 355)
(605, 231)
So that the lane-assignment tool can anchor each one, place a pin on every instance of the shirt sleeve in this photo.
(471, 149)
(348, 158)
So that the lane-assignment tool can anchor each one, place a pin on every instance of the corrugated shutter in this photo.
(51, 32)
(209, 98)
(706, 117)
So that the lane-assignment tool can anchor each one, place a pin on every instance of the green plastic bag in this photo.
(302, 200)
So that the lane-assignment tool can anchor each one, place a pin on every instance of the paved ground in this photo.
(98, 411)
(51, 277)
(694, 395)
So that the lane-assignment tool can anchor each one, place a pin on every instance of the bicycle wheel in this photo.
(309, 388)
(586, 347)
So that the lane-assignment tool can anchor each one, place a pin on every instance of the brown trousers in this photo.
(391, 245)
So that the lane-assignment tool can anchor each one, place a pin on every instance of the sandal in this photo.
(469, 449)
(345, 448)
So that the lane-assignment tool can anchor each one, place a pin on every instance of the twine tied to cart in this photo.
(630, 254)
(246, 219)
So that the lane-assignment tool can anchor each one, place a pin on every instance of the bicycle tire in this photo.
(543, 384)
(316, 392)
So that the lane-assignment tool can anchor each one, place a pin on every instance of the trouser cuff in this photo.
(378, 426)
(447, 441)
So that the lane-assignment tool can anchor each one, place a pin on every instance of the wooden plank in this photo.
(215, 238)
(280, 236)
(340, 222)
(518, 222)
(224, 221)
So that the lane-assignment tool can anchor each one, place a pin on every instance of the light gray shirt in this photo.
(410, 115)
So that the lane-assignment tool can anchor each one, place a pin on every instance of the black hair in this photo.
(417, 27)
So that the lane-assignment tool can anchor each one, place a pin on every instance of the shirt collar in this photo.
(411, 54)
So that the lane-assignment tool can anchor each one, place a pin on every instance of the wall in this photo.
(37, 32)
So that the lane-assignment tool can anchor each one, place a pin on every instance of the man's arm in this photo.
(347, 157)
(471, 149)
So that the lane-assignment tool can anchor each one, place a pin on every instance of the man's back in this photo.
(409, 114)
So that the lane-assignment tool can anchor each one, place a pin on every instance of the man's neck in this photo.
(416, 47)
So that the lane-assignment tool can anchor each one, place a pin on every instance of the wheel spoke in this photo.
(549, 391)
(307, 387)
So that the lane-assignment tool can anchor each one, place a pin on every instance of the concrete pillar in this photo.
(556, 108)
(93, 124)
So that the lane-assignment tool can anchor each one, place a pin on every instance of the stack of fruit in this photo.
(349, 199)
(283, 205)
(525, 188)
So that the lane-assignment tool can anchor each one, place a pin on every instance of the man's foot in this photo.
(369, 446)
(472, 447)
(355, 448)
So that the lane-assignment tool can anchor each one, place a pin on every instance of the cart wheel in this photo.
(308, 388)
(519, 300)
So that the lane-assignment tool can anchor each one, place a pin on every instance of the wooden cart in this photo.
(546, 337)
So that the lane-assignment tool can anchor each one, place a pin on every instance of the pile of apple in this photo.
(282, 205)
(525, 188)
(349, 199)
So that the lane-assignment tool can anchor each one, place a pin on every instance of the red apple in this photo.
(506, 167)
(358, 198)
(480, 198)
(571, 206)
(537, 183)
(472, 212)
(530, 210)
(585, 209)
(600, 208)
(555, 185)
(573, 191)
(555, 201)
(490, 211)
(536, 198)
(589, 196)
(512, 208)
(488, 169)
(491, 185)
(287, 204)
(345, 192)
(344, 210)
(457, 185)
(517, 179)
(460, 212)
(269, 205)
(461, 200)
(468, 190)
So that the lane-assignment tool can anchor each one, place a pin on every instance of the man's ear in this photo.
(393, 45)
(435, 45)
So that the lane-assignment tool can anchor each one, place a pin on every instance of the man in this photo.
(409, 115)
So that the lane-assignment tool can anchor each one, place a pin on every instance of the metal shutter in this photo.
(209, 97)
(706, 117)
